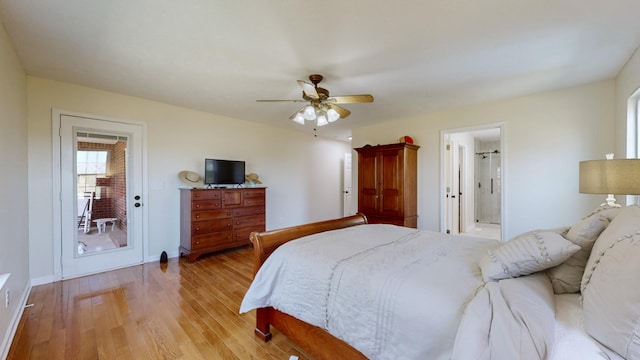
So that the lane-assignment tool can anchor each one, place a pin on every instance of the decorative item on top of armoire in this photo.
(388, 184)
(405, 139)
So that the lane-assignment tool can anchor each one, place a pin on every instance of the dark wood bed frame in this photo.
(317, 341)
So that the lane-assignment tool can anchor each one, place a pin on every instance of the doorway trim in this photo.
(443, 175)
(56, 115)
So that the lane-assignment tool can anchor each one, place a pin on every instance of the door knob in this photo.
(137, 197)
(137, 204)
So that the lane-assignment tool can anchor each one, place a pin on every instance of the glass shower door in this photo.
(488, 197)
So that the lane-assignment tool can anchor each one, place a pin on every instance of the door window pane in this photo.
(90, 165)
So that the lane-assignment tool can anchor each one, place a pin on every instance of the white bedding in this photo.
(408, 304)
(398, 293)
(571, 340)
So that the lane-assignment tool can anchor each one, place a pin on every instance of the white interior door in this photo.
(348, 197)
(452, 186)
(121, 196)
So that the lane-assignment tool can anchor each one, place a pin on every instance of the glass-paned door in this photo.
(101, 187)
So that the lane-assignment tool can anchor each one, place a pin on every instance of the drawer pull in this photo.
(197, 242)
(197, 205)
(197, 229)
(197, 216)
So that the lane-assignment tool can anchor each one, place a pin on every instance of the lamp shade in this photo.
(299, 118)
(309, 112)
(614, 176)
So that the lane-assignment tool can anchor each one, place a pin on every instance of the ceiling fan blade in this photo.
(308, 89)
(281, 101)
(295, 113)
(349, 99)
(342, 111)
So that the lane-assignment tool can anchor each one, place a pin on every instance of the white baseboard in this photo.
(42, 280)
(156, 257)
(13, 324)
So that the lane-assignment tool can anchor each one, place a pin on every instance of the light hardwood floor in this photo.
(179, 310)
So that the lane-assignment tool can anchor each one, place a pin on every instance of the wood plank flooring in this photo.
(179, 310)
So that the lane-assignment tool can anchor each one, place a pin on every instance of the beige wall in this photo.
(546, 136)
(14, 236)
(303, 174)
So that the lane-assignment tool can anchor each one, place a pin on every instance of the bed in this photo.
(351, 290)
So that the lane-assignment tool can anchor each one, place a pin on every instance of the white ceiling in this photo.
(414, 57)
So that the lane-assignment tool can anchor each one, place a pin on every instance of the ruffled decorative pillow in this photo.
(610, 291)
(525, 254)
(606, 211)
(566, 277)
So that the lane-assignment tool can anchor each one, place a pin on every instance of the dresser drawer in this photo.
(248, 221)
(206, 204)
(202, 215)
(211, 240)
(205, 227)
(205, 194)
(232, 198)
(255, 210)
(243, 234)
(254, 192)
(254, 200)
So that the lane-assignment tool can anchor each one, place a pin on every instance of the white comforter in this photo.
(399, 293)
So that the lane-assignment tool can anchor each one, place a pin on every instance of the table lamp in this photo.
(611, 177)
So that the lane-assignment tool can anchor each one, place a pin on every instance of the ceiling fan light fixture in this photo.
(322, 120)
(332, 115)
(322, 107)
(299, 118)
(309, 112)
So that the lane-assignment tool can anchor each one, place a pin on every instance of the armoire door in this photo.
(390, 188)
(368, 179)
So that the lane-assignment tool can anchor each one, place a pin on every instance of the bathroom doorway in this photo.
(473, 180)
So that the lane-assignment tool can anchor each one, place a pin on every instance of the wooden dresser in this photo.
(388, 184)
(218, 219)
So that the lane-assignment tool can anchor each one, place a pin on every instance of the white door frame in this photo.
(56, 115)
(347, 198)
(461, 184)
(450, 172)
(445, 177)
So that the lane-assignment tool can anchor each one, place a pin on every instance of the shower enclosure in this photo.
(487, 179)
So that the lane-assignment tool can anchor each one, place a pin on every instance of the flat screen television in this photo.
(223, 172)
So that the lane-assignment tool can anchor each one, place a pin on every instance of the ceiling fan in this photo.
(322, 107)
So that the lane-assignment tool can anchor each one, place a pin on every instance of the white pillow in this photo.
(627, 225)
(606, 211)
(566, 277)
(525, 254)
(610, 291)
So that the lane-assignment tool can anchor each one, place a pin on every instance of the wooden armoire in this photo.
(388, 184)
